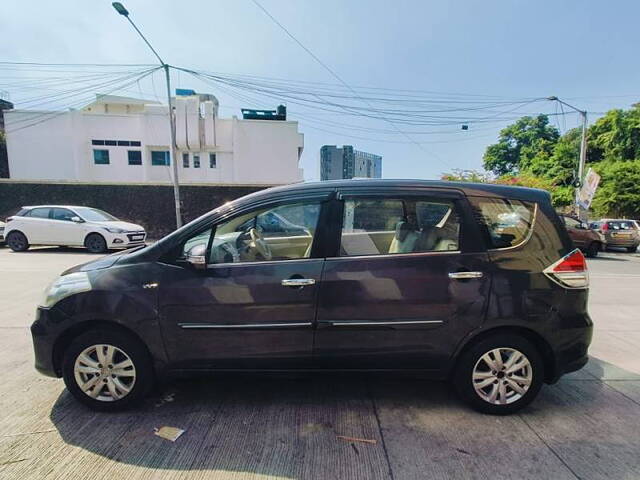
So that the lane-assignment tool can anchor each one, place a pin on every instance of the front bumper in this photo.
(44, 340)
(127, 240)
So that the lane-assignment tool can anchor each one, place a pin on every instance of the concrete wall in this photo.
(151, 206)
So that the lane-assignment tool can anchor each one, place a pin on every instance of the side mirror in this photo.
(196, 256)
(77, 219)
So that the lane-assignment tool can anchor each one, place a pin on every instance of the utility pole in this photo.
(172, 121)
(583, 152)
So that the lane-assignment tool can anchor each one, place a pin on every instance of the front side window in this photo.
(101, 157)
(63, 214)
(284, 232)
(403, 225)
(134, 157)
(95, 215)
(572, 222)
(508, 221)
(160, 158)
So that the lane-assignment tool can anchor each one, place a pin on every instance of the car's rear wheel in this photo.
(17, 241)
(96, 243)
(107, 371)
(593, 249)
(500, 374)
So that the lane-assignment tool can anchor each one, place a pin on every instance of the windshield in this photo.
(95, 215)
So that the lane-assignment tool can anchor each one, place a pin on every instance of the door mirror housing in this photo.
(77, 219)
(196, 256)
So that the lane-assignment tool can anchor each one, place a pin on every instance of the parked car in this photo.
(589, 241)
(618, 233)
(72, 226)
(478, 284)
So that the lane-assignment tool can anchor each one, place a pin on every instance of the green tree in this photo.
(528, 142)
(460, 175)
(616, 136)
(619, 191)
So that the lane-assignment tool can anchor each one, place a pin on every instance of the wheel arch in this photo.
(65, 338)
(538, 341)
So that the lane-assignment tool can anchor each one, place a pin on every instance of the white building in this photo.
(119, 139)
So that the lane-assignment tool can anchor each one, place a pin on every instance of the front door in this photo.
(65, 231)
(408, 282)
(253, 305)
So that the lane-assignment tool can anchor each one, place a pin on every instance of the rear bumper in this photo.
(571, 350)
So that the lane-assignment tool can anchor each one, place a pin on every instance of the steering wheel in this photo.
(259, 244)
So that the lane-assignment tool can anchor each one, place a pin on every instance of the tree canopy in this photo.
(531, 152)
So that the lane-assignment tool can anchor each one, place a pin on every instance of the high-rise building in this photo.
(346, 162)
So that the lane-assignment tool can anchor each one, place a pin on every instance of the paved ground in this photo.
(587, 426)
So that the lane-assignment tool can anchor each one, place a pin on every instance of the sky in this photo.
(583, 52)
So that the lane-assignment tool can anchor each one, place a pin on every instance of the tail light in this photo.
(570, 271)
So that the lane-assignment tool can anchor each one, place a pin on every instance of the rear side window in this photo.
(509, 222)
(38, 213)
(618, 225)
(402, 225)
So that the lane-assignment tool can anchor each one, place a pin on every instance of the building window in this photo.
(135, 143)
(124, 143)
(212, 160)
(196, 161)
(97, 142)
(101, 157)
(185, 160)
(111, 143)
(135, 157)
(160, 158)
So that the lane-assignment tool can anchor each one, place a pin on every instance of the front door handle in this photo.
(465, 275)
(298, 282)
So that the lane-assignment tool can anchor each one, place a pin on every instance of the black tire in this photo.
(632, 249)
(137, 353)
(463, 381)
(593, 249)
(17, 241)
(95, 243)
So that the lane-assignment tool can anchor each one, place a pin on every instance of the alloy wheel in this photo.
(502, 376)
(104, 373)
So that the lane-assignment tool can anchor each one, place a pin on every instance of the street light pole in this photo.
(583, 151)
(172, 123)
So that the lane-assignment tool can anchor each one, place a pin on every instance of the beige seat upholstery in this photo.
(405, 238)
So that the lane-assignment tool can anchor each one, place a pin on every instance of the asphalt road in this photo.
(587, 426)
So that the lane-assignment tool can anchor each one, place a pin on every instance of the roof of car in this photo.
(54, 206)
(474, 189)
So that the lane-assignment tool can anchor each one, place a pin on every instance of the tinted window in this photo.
(135, 157)
(101, 157)
(391, 226)
(160, 158)
(620, 225)
(508, 221)
(280, 233)
(572, 222)
(38, 213)
(63, 214)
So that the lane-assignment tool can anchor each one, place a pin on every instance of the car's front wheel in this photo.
(17, 241)
(106, 370)
(500, 374)
(96, 243)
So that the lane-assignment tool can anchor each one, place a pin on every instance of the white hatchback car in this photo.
(66, 225)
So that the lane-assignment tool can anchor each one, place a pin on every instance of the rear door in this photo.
(409, 278)
(36, 225)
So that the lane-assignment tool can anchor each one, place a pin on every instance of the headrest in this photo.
(402, 230)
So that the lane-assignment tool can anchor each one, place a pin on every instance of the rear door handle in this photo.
(465, 275)
(298, 282)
